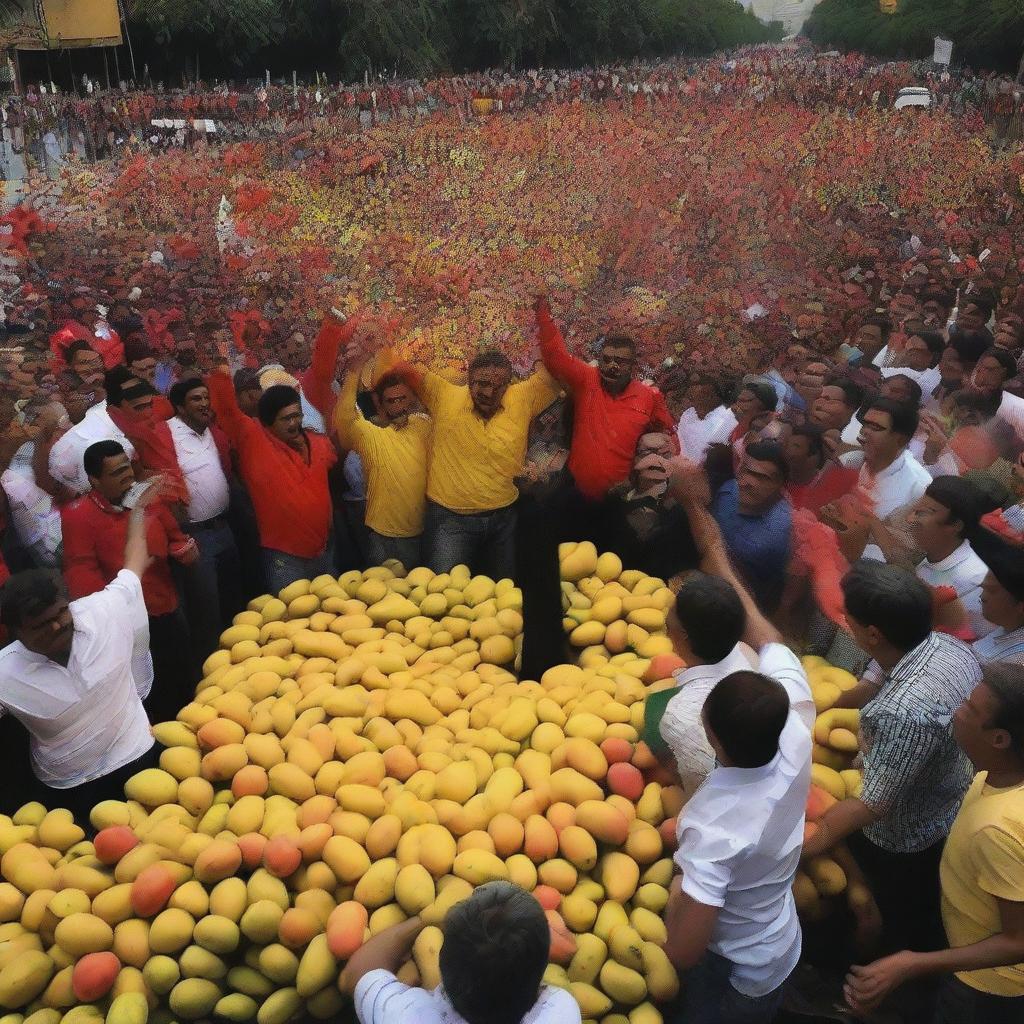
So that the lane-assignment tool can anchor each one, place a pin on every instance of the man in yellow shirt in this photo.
(394, 458)
(982, 873)
(477, 448)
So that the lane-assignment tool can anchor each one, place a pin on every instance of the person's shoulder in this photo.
(554, 1006)
(78, 508)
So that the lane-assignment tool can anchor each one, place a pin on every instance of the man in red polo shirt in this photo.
(95, 527)
(285, 470)
(612, 411)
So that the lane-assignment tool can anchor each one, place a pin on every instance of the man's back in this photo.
(740, 839)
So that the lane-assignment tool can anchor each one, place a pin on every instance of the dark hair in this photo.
(618, 341)
(747, 712)
(1006, 681)
(815, 438)
(388, 381)
(853, 393)
(984, 303)
(273, 400)
(935, 342)
(1003, 358)
(763, 392)
(495, 952)
(711, 612)
(28, 594)
(136, 347)
(120, 384)
(970, 346)
(246, 379)
(180, 391)
(980, 401)
(719, 386)
(963, 499)
(912, 386)
(491, 359)
(904, 417)
(769, 451)
(74, 348)
(97, 453)
(891, 599)
(883, 323)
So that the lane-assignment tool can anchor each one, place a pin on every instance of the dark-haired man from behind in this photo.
(394, 460)
(285, 470)
(731, 918)
(914, 774)
(213, 590)
(477, 449)
(982, 874)
(492, 963)
(705, 626)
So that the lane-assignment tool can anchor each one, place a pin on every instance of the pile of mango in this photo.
(836, 745)
(358, 751)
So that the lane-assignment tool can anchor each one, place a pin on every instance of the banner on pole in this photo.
(943, 51)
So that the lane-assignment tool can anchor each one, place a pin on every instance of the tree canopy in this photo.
(422, 37)
(985, 33)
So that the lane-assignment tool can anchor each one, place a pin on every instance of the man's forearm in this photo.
(384, 952)
(999, 950)
(136, 548)
(843, 819)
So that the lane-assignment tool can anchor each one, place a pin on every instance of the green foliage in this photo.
(986, 33)
(422, 37)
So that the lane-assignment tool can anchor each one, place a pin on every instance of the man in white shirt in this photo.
(1002, 599)
(705, 627)
(35, 520)
(492, 962)
(213, 589)
(66, 463)
(71, 678)
(731, 919)
(705, 421)
(940, 523)
(994, 369)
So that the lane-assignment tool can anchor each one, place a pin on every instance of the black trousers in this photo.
(906, 888)
(961, 1004)
(174, 674)
(80, 800)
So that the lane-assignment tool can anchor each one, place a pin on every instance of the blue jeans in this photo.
(711, 999)
(408, 550)
(280, 568)
(213, 591)
(485, 541)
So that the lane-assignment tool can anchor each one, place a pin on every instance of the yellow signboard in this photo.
(75, 23)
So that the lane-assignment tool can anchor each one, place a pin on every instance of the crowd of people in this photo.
(862, 498)
(96, 123)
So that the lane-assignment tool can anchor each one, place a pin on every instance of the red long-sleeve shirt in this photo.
(290, 495)
(606, 427)
(317, 381)
(95, 533)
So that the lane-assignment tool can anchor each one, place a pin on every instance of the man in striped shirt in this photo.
(915, 775)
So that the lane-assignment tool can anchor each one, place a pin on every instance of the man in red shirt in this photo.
(285, 470)
(612, 411)
(814, 480)
(95, 527)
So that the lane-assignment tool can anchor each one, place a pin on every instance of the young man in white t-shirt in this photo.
(731, 920)
(495, 951)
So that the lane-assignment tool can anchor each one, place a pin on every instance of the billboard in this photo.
(75, 23)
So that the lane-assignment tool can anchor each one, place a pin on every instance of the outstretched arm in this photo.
(689, 487)
(334, 332)
(137, 558)
(230, 417)
(346, 412)
(561, 365)
(386, 951)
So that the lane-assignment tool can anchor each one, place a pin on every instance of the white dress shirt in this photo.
(66, 465)
(35, 520)
(696, 434)
(740, 840)
(681, 726)
(86, 720)
(380, 998)
(964, 571)
(199, 459)
(898, 485)
(1011, 411)
(1001, 646)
